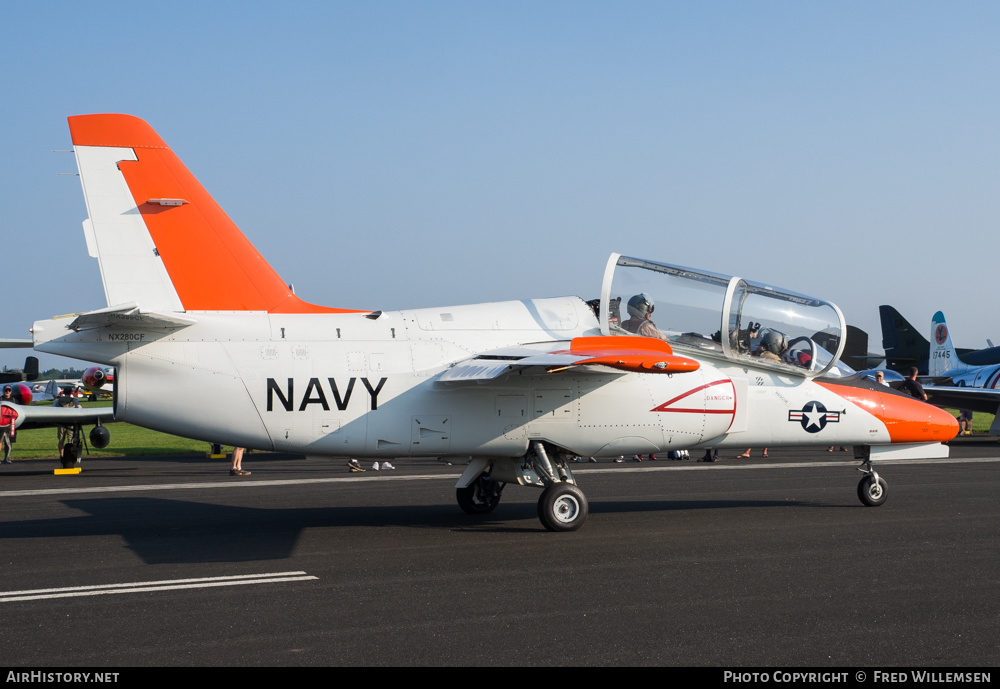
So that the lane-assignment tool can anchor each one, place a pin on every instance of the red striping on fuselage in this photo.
(684, 410)
(992, 381)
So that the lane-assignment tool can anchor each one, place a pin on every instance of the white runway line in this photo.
(694, 465)
(578, 468)
(140, 587)
(219, 484)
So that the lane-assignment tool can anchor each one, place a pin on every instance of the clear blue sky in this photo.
(405, 154)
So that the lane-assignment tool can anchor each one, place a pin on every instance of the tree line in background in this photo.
(52, 373)
(57, 373)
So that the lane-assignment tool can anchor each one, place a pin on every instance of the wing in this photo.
(584, 354)
(48, 417)
(973, 399)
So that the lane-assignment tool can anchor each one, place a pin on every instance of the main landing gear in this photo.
(481, 496)
(872, 490)
(71, 445)
(562, 505)
(71, 439)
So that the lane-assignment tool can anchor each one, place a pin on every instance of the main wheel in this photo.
(481, 497)
(69, 456)
(871, 493)
(562, 507)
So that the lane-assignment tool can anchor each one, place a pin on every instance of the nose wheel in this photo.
(872, 490)
(562, 507)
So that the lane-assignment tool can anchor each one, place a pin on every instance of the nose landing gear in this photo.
(872, 490)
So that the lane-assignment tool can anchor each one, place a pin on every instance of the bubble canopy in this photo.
(721, 316)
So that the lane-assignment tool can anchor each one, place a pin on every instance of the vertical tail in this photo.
(31, 368)
(904, 346)
(943, 357)
(161, 240)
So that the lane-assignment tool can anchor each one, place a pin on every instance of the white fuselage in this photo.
(347, 384)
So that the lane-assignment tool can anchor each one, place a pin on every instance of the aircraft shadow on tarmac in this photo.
(181, 532)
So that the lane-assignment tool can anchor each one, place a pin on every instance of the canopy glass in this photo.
(721, 315)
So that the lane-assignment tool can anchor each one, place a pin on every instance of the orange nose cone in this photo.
(911, 421)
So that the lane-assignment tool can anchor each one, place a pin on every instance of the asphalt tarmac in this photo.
(169, 561)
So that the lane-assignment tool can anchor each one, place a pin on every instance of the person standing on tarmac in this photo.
(8, 415)
(237, 468)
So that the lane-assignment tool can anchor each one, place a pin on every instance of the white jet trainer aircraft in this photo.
(514, 388)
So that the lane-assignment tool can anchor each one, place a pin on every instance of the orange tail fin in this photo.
(161, 239)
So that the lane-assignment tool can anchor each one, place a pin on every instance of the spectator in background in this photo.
(964, 422)
(911, 385)
(7, 431)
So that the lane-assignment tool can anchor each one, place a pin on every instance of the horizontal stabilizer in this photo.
(129, 315)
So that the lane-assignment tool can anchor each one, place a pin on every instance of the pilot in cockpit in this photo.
(771, 345)
(640, 308)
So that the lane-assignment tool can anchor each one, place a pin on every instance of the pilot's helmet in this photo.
(7, 388)
(640, 306)
(773, 341)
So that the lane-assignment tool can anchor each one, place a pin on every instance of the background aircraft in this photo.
(25, 391)
(906, 347)
(33, 416)
(513, 389)
(28, 373)
(96, 383)
(856, 355)
(954, 383)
